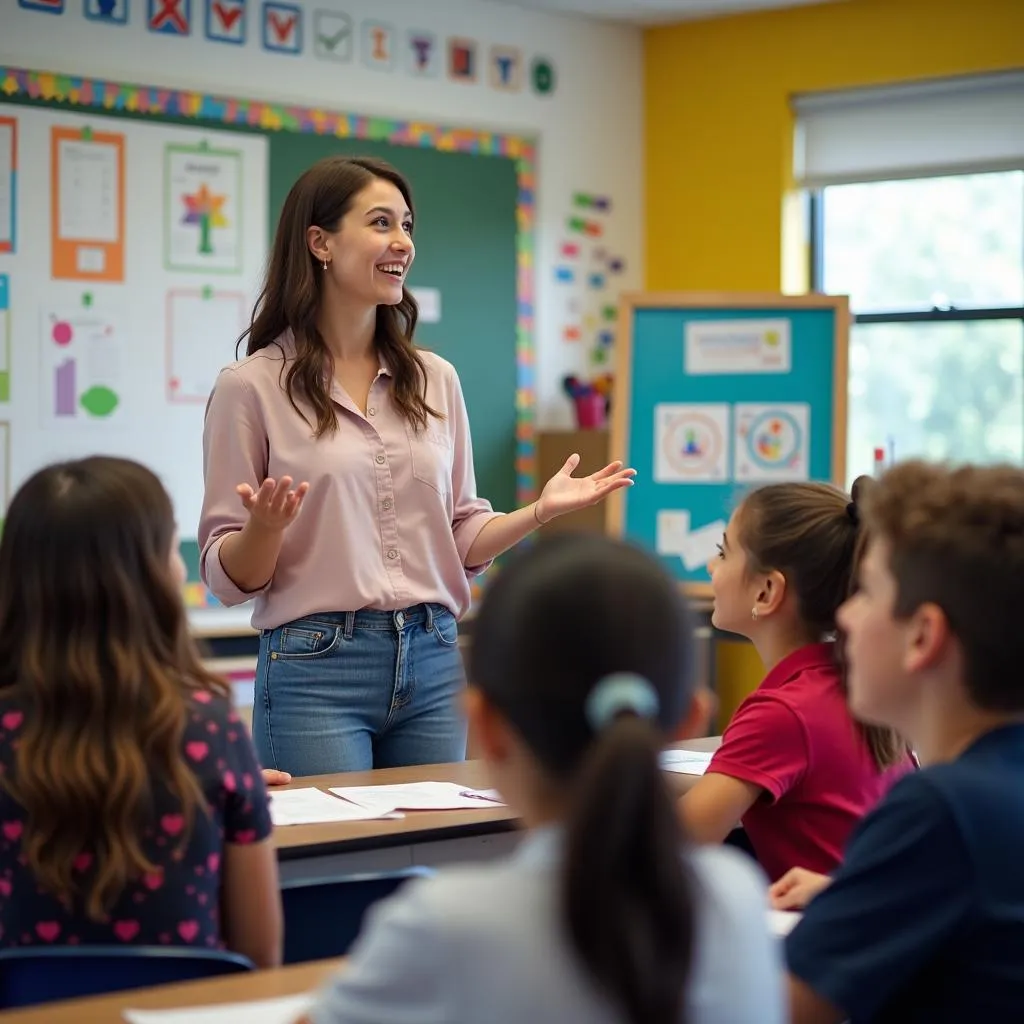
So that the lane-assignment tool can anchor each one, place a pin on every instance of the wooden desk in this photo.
(428, 838)
(235, 988)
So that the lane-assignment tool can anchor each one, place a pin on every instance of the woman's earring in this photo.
(753, 613)
(325, 264)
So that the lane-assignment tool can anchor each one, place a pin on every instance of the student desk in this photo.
(234, 988)
(427, 838)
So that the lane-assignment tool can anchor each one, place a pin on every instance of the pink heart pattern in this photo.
(188, 930)
(12, 830)
(48, 930)
(172, 824)
(196, 750)
(11, 720)
(126, 930)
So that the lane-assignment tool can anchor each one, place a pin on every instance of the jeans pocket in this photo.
(446, 628)
(304, 640)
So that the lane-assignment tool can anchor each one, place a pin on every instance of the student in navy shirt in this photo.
(924, 920)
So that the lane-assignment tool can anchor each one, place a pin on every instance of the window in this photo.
(934, 269)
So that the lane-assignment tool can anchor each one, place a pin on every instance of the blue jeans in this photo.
(350, 691)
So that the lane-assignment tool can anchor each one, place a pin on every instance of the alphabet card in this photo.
(169, 17)
(378, 45)
(332, 36)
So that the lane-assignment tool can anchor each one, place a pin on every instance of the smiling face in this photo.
(369, 255)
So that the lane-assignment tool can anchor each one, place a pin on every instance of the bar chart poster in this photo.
(81, 372)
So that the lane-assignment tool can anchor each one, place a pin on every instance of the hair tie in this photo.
(851, 511)
(619, 692)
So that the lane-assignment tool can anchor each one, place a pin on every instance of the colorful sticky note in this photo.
(606, 338)
(609, 312)
(570, 249)
(571, 334)
(564, 274)
(597, 280)
(581, 199)
(602, 203)
(616, 266)
(577, 224)
(593, 229)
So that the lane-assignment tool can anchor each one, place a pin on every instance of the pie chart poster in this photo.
(714, 400)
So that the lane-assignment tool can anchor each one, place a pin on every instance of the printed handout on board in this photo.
(202, 209)
(202, 328)
(737, 346)
(695, 547)
(691, 443)
(81, 369)
(772, 442)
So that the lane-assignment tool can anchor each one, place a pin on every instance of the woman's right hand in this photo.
(796, 888)
(275, 504)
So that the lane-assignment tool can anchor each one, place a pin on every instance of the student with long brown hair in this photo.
(132, 809)
(336, 411)
(581, 668)
(793, 766)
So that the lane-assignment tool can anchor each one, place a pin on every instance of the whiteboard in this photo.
(124, 366)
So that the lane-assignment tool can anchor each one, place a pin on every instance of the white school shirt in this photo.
(483, 944)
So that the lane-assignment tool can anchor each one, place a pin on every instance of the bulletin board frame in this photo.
(816, 344)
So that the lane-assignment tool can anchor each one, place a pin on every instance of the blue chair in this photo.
(322, 917)
(41, 974)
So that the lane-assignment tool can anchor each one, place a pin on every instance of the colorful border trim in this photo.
(103, 95)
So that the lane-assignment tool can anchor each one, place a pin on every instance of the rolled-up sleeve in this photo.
(471, 512)
(235, 451)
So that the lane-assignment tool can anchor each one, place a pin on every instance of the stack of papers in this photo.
(419, 796)
(686, 762)
(315, 807)
(285, 1010)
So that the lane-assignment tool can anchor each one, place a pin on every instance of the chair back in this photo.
(40, 974)
(322, 917)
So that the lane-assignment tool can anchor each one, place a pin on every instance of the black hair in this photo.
(563, 615)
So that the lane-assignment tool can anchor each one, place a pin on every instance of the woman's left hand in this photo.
(567, 493)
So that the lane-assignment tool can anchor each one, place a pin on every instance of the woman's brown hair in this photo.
(810, 532)
(95, 651)
(291, 294)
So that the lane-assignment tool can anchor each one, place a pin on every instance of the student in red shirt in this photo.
(794, 767)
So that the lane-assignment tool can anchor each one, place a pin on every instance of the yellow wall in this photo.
(719, 128)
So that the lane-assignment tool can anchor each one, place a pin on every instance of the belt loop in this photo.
(429, 623)
(350, 624)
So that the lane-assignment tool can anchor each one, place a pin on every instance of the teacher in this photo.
(340, 491)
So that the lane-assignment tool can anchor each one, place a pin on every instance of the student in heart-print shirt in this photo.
(132, 807)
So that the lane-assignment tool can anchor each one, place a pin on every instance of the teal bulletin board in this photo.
(716, 394)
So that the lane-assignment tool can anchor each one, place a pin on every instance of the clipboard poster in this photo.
(8, 184)
(87, 198)
(203, 325)
(716, 394)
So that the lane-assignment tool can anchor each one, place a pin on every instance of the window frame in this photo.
(935, 315)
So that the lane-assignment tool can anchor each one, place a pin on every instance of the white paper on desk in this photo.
(685, 762)
(311, 806)
(419, 796)
(782, 922)
(285, 1010)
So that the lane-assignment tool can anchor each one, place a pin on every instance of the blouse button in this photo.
(392, 553)
(387, 505)
(371, 411)
(380, 460)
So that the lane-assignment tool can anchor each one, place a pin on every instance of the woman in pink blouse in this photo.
(340, 491)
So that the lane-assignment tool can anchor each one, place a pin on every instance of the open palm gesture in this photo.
(567, 493)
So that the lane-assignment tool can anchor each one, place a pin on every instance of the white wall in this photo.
(589, 130)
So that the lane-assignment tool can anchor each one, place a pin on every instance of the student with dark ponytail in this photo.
(580, 667)
(794, 765)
